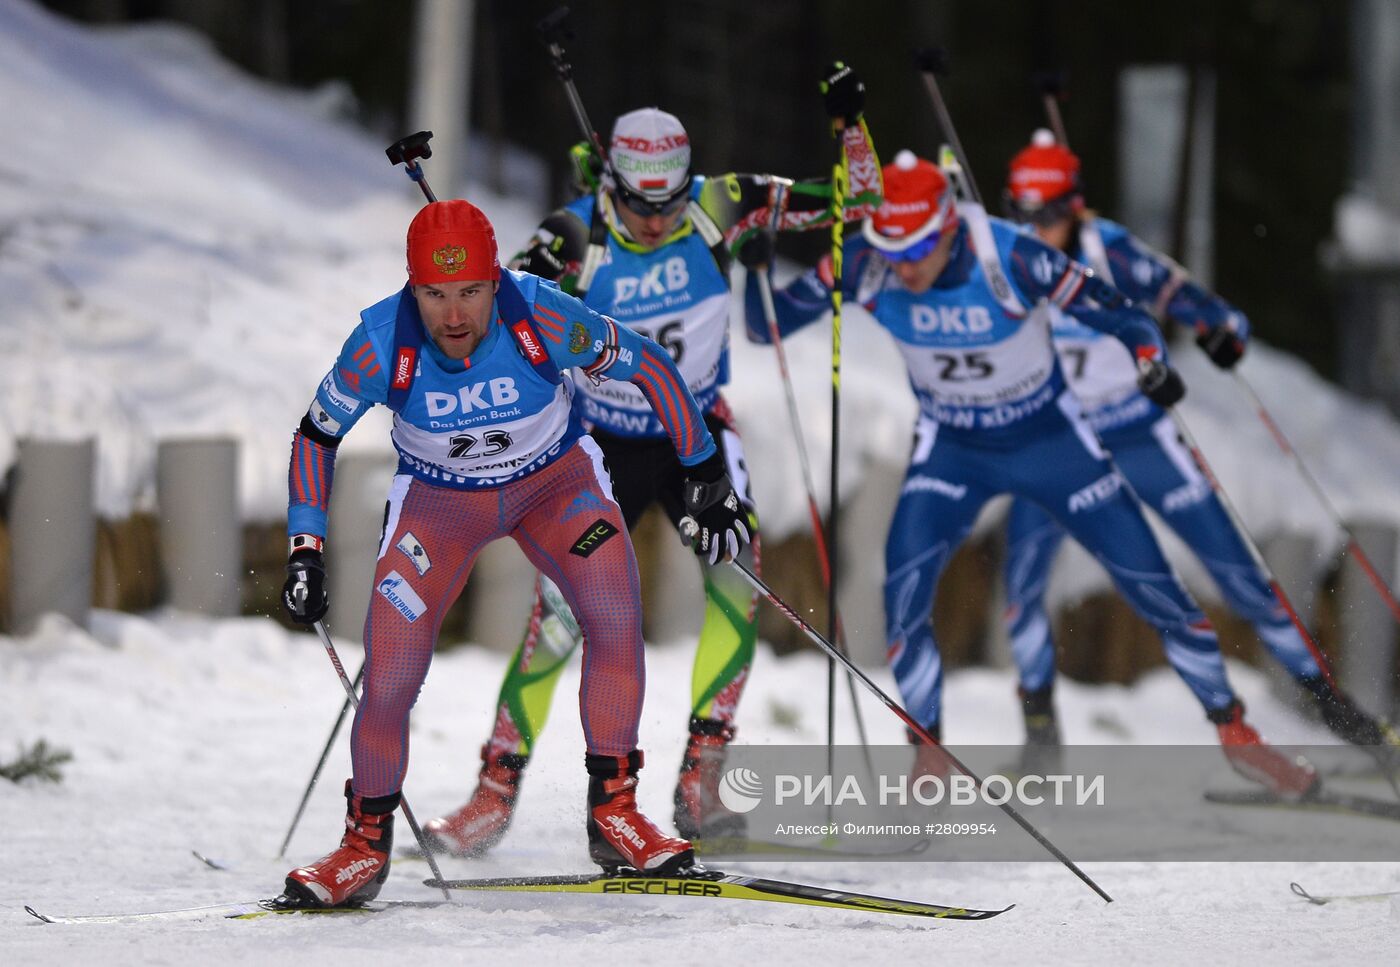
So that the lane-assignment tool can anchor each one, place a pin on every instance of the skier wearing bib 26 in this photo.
(472, 361)
(996, 417)
(1044, 189)
(651, 248)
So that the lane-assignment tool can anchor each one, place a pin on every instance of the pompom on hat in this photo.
(451, 241)
(918, 203)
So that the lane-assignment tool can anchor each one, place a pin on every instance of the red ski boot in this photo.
(480, 824)
(929, 760)
(699, 813)
(618, 834)
(353, 873)
(1257, 761)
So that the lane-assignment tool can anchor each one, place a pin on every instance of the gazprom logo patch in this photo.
(740, 790)
(401, 595)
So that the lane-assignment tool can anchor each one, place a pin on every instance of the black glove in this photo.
(539, 260)
(1160, 383)
(1222, 345)
(843, 92)
(304, 593)
(757, 252)
(716, 523)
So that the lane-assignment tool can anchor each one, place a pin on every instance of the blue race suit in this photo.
(1148, 450)
(995, 417)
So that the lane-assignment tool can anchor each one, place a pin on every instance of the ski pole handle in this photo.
(406, 152)
(552, 33)
(931, 61)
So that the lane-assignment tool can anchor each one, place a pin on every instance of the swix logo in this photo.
(624, 829)
(473, 397)
(354, 869)
(663, 277)
(1096, 493)
(403, 367)
(956, 320)
(531, 346)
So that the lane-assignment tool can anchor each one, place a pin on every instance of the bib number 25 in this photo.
(963, 367)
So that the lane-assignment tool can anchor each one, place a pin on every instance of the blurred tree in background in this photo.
(742, 77)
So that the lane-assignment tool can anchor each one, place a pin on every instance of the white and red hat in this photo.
(650, 154)
(918, 203)
(451, 241)
(1042, 172)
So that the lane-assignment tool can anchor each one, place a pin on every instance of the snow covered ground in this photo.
(183, 250)
(194, 734)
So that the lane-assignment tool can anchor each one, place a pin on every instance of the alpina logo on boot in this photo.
(354, 869)
(625, 830)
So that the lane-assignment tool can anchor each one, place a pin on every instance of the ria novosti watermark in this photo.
(741, 790)
(1097, 802)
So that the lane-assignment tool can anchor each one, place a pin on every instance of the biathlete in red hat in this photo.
(651, 247)
(473, 363)
(965, 300)
(1044, 190)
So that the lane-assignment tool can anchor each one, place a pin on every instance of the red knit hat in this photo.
(918, 203)
(1042, 172)
(451, 241)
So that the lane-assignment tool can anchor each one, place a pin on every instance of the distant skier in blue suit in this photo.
(1044, 190)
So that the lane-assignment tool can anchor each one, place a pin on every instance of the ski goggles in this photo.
(916, 252)
(639, 204)
(1055, 210)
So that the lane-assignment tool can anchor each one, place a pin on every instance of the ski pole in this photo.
(1250, 545)
(931, 61)
(839, 176)
(316, 773)
(1051, 85)
(1322, 663)
(354, 701)
(1353, 545)
(781, 186)
(553, 34)
(910, 722)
